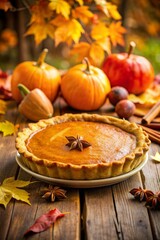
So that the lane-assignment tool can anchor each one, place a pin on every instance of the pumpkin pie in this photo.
(82, 146)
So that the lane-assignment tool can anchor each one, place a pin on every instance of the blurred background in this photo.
(140, 18)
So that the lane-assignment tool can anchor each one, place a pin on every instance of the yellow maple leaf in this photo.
(99, 31)
(105, 44)
(82, 13)
(3, 107)
(109, 9)
(68, 32)
(41, 31)
(113, 12)
(61, 7)
(156, 157)
(7, 128)
(115, 33)
(10, 189)
(96, 54)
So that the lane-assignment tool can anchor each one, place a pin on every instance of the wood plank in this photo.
(99, 214)
(132, 216)
(151, 180)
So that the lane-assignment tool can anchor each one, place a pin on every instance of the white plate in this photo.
(81, 183)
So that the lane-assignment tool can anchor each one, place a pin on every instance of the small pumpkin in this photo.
(85, 87)
(36, 75)
(35, 104)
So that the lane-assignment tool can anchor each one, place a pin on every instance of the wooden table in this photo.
(102, 213)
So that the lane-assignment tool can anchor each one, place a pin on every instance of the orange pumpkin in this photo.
(36, 75)
(85, 87)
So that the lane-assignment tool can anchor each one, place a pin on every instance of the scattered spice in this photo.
(152, 199)
(141, 194)
(53, 193)
(77, 143)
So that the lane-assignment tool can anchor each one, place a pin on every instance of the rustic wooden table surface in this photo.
(101, 213)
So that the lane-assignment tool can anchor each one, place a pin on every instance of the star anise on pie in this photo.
(77, 143)
(141, 194)
(53, 193)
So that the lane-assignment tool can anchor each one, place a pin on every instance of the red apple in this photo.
(135, 73)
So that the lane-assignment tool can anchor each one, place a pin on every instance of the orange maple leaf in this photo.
(61, 7)
(80, 50)
(115, 33)
(93, 52)
(69, 31)
(40, 12)
(5, 5)
(99, 31)
(82, 13)
(41, 31)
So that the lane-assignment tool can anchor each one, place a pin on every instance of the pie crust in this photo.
(117, 146)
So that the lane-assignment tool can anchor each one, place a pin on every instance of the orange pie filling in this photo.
(117, 147)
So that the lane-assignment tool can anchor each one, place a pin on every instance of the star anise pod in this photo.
(153, 201)
(77, 143)
(53, 193)
(141, 194)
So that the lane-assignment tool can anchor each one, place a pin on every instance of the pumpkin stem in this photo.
(86, 61)
(23, 90)
(42, 57)
(132, 45)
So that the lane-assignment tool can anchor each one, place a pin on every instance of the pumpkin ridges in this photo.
(45, 77)
(80, 89)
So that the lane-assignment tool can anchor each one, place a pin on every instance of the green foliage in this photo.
(151, 51)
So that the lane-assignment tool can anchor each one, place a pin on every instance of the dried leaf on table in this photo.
(146, 100)
(8, 128)
(156, 157)
(10, 189)
(45, 221)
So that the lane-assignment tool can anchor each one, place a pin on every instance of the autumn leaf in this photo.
(40, 12)
(81, 50)
(3, 107)
(96, 54)
(61, 7)
(105, 44)
(93, 52)
(68, 32)
(5, 5)
(115, 33)
(45, 221)
(41, 31)
(156, 157)
(7, 128)
(109, 9)
(99, 31)
(82, 13)
(10, 189)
